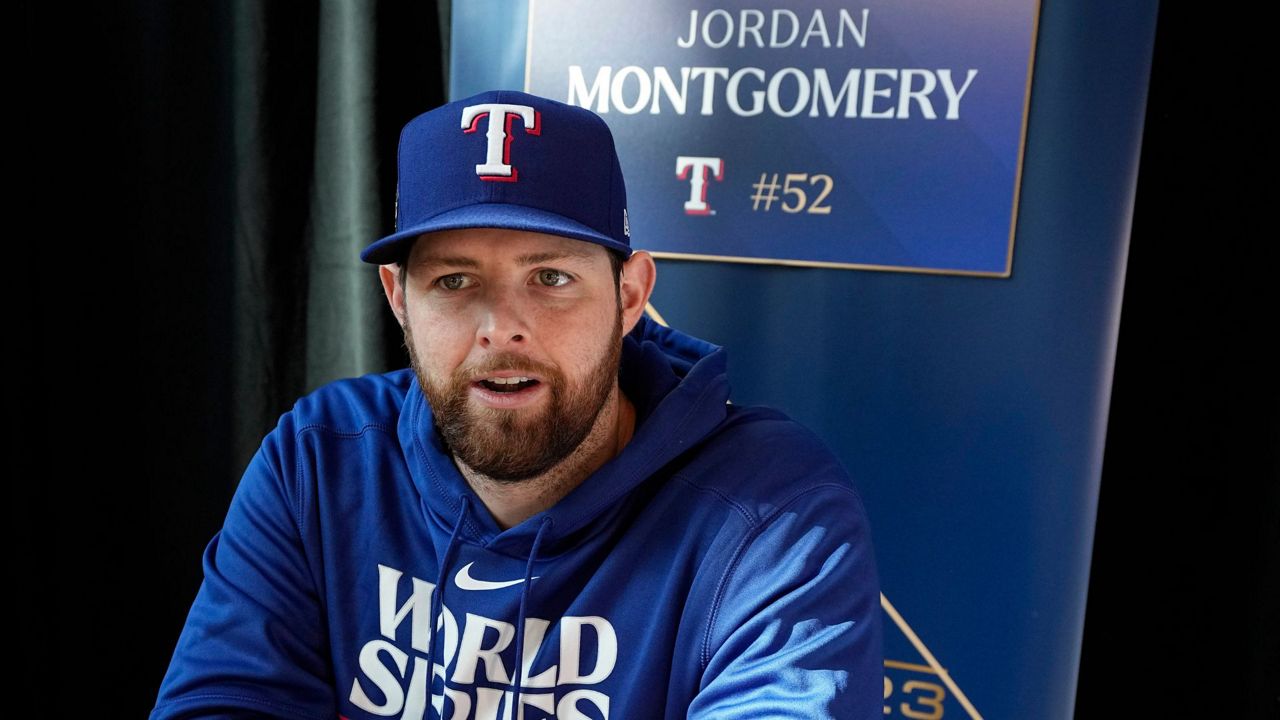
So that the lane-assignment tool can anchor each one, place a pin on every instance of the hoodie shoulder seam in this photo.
(299, 510)
(750, 519)
(344, 433)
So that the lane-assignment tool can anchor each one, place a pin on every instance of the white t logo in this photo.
(497, 160)
(701, 167)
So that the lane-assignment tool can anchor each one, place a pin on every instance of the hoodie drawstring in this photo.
(524, 596)
(437, 599)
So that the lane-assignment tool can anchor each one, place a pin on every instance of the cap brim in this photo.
(489, 215)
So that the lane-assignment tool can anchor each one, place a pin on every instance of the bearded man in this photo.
(556, 512)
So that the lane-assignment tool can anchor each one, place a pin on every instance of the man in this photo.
(556, 511)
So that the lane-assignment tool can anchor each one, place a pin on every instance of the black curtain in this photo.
(1184, 587)
(196, 179)
(205, 175)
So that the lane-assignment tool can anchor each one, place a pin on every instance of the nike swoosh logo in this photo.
(464, 580)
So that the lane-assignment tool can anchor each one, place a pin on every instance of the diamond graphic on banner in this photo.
(917, 689)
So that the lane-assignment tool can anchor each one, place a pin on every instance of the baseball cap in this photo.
(507, 159)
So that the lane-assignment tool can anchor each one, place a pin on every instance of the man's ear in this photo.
(636, 285)
(390, 276)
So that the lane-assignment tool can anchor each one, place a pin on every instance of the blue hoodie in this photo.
(719, 567)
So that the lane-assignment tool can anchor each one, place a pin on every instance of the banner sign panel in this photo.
(883, 135)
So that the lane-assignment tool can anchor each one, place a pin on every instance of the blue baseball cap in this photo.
(507, 159)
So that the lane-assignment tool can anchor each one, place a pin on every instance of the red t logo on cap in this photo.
(497, 161)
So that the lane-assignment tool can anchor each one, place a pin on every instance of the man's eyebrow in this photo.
(446, 260)
(548, 256)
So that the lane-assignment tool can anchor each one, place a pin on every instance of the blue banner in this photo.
(971, 413)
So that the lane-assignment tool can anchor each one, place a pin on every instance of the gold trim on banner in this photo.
(928, 656)
(1022, 140)
(899, 665)
(664, 255)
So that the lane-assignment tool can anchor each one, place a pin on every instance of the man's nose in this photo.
(502, 323)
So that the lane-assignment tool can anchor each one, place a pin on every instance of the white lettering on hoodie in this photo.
(384, 664)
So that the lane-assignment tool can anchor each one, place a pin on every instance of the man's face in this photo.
(515, 337)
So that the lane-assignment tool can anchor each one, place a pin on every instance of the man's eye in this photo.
(456, 281)
(553, 278)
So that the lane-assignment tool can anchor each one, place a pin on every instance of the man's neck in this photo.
(511, 503)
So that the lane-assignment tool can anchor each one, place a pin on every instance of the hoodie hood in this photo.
(679, 388)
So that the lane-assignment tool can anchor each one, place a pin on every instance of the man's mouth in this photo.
(507, 384)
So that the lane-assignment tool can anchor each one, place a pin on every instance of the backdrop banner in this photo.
(910, 223)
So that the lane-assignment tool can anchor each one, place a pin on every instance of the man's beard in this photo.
(513, 445)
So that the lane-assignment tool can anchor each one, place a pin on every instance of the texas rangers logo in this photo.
(497, 162)
(697, 170)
